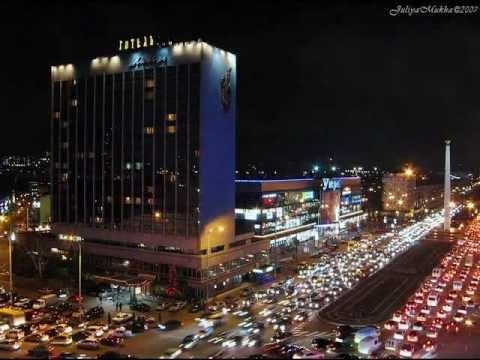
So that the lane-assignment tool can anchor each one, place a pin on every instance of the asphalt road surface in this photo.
(377, 297)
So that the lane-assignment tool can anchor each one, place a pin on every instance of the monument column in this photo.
(446, 191)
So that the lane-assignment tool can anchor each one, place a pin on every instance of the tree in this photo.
(37, 251)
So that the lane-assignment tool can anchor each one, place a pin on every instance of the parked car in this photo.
(170, 325)
(112, 341)
(61, 340)
(88, 344)
(94, 313)
(122, 317)
(140, 307)
(9, 345)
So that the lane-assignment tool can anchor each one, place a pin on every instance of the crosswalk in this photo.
(300, 331)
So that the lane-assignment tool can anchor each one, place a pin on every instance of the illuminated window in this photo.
(138, 165)
(128, 200)
(173, 178)
(138, 201)
(171, 129)
(150, 83)
(128, 166)
(56, 115)
(150, 201)
(74, 102)
(149, 130)
(172, 117)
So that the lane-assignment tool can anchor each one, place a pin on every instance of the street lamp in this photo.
(11, 239)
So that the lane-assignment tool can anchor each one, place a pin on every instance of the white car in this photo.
(64, 329)
(95, 329)
(122, 332)
(22, 302)
(9, 345)
(61, 340)
(399, 335)
(447, 307)
(122, 317)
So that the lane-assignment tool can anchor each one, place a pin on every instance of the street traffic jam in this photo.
(442, 306)
(268, 319)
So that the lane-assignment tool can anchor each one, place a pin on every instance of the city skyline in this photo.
(374, 94)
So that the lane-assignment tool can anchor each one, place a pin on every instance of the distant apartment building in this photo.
(405, 194)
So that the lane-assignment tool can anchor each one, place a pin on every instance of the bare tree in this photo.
(37, 251)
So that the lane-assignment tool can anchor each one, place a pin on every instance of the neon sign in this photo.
(331, 184)
(136, 43)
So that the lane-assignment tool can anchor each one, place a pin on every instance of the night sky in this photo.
(340, 80)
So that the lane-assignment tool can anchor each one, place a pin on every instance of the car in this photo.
(407, 350)
(122, 332)
(46, 290)
(308, 355)
(22, 302)
(88, 344)
(453, 294)
(452, 327)
(170, 325)
(417, 326)
(96, 330)
(301, 316)
(462, 310)
(94, 313)
(61, 340)
(390, 325)
(15, 334)
(9, 345)
(404, 325)
(122, 317)
(458, 317)
(36, 338)
(41, 351)
(320, 343)
(447, 307)
(280, 336)
(421, 317)
(412, 336)
(194, 308)
(206, 332)
(399, 334)
(142, 307)
(64, 329)
(189, 341)
(397, 316)
(429, 345)
(112, 341)
(392, 344)
(441, 314)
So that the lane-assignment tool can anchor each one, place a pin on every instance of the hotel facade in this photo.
(143, 163)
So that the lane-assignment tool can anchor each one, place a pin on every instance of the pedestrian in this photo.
(100, 298)
(120, 306)
(109, 317)
(116, 306)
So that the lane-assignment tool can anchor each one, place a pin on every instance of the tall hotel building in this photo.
(143, 162)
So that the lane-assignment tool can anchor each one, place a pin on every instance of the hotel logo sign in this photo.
(225, 90)
(137, 43)
(144, 62)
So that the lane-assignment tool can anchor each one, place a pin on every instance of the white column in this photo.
(446, 192)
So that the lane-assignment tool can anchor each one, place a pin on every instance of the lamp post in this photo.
(11, 238)
(209, 231)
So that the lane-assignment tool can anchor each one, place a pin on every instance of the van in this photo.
(369, 345)
(362, 333)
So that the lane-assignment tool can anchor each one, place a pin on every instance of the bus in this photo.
(469, 260)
